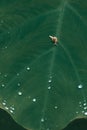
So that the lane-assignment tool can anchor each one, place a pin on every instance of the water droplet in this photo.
(17, 74)
(28, 68)
(50, 77)
(34, 100)
(4, 103)
(82, 111)
(80, 86)
(80, 103)
(77, 112)
(5, 75)
(12, 108)
(84, 100)
(19, 84)
(6, 108)
(49, 87)
(19, 93)
(4, 100)
(56, 107)
(42, 119)
(85, 108)
(85, 113)
(5, 47)
(49, 80)
(3, 85)
(84, 104)
(11, 111)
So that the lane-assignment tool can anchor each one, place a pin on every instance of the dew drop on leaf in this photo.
(4, 103)
(82, 111)
(19, 93)
(80, 86)
(84, 100)
(12, 108)
(49, 80)
(19, 84)
(42, 119)
(3, 85)
(5, 75)
(80, 103)
(5, 47)
(85, 108)
(11, 111)
(28, 68)
(85, 113)
(34, 100)
(49, 87)
(77, 112)
(84, 104)
(6, 108)
(17, 74)
(55, 107)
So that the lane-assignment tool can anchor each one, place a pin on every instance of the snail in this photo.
(54, 39)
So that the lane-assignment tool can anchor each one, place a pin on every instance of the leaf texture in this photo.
(43, 86)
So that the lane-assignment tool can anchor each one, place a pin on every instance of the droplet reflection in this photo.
(42, 119)
(85, 113)
(6, 108)
(28, 68)
(34, 100)
(19, 93)
(80, 86)
(56, 107)
(3, 85)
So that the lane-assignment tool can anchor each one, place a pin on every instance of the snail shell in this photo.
(54, 39)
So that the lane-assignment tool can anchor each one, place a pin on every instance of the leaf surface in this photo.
(43, 86)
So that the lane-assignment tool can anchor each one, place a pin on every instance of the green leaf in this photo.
(42, 85)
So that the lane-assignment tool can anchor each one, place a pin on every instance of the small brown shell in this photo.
(54, 39)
